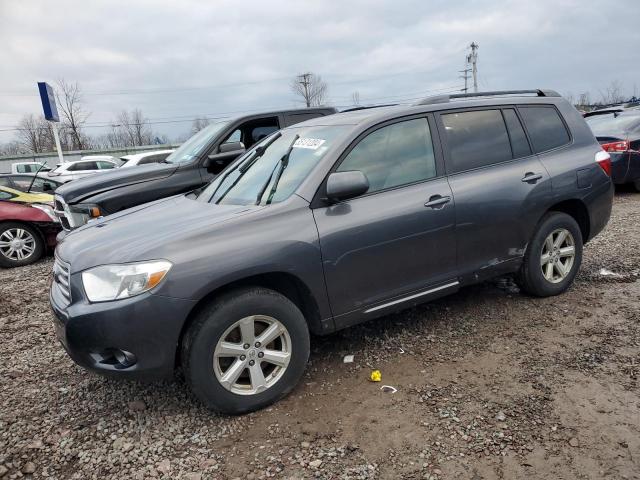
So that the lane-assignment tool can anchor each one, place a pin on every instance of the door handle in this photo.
(531, 177)
(437, 201)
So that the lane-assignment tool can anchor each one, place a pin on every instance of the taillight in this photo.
(604, 160)
(621, 146)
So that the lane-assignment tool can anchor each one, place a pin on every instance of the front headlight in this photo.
(112, 282)
(46, 209)
(89, 209)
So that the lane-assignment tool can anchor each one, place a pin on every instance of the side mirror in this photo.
(47, 187)
(231, 147)
(227, 152)
(345, 185)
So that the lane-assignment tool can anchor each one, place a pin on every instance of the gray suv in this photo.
(326, 224)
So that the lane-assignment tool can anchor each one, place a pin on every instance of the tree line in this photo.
(131, 128)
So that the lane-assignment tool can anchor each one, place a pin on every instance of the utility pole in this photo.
(304, 81)
(472, 58)
(465, 75)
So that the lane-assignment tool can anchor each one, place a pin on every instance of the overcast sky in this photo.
(176, 60)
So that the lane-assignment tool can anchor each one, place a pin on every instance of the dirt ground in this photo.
(490, 384)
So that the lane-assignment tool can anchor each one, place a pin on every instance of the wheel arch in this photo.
(285, 283)
(578, 211)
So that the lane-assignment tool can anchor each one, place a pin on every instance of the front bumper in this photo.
(147, 326)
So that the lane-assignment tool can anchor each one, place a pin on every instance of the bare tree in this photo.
(569, 97)
(70, 102)
(199, 123)
(355, 98)
(612, 93)
(131, 129)
(311, 88)
(12, 148)
(35, 134)
(28, 134)
(585, 99)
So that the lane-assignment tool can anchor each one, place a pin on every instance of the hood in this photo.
(78, 190)
(151, 231)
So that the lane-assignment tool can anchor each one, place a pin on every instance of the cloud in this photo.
(227, 56)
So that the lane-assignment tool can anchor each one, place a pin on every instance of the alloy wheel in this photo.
(252, 355)
(558, 255)
(17, 244)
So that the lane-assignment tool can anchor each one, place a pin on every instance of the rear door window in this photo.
(80, 166)
(519, 142)
(475, 139)
(546, 128)
(398, 154)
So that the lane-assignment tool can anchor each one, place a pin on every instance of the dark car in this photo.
(28, 182)
(326, 224)
(190, 166)
(26, 232)
(618, 131)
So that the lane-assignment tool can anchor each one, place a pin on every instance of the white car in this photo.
(145, 158)
(29, 167)
(68, 171)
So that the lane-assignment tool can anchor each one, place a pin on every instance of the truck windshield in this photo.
(272, 170)
(194, 145)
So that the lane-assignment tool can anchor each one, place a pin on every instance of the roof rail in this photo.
(367, 107)
(448, 98)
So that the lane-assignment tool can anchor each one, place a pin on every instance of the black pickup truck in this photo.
(196, 162)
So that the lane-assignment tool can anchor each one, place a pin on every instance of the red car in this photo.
(26, 232)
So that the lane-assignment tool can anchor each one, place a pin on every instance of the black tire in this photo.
(214, 320)
(34, 256)
(530, 278)
(636, 184)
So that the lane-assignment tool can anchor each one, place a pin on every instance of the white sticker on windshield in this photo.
(310, 143)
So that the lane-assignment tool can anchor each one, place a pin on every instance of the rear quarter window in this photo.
(546, 129)
(475, 139)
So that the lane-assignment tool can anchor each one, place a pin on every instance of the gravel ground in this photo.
(491, 384)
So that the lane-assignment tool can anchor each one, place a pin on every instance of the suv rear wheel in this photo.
(553, 257)
(246, 350)
(20, 244)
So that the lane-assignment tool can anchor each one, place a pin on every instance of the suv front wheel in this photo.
(245, 350)
(553, 257)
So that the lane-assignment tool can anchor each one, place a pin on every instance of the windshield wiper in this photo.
(248, 163)
(284, 163)
(258, 153)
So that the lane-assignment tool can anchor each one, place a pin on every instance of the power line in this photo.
(153, 91)
(225, 115)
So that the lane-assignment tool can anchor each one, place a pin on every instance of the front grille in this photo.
(59, 209)
(61, 279)
(68, 218)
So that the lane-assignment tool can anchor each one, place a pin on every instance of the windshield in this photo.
(611, 124)
(194, 146)
(272, 170)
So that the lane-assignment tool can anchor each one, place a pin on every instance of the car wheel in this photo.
(553, 256)
(636, 184)
(245, 350)
(20, 244)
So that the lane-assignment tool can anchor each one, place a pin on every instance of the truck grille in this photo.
(59, 209)
(68, 219)
(61, 279)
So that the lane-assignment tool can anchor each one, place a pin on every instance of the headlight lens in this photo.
(112, 282)
(93, 211)
(46, 209)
